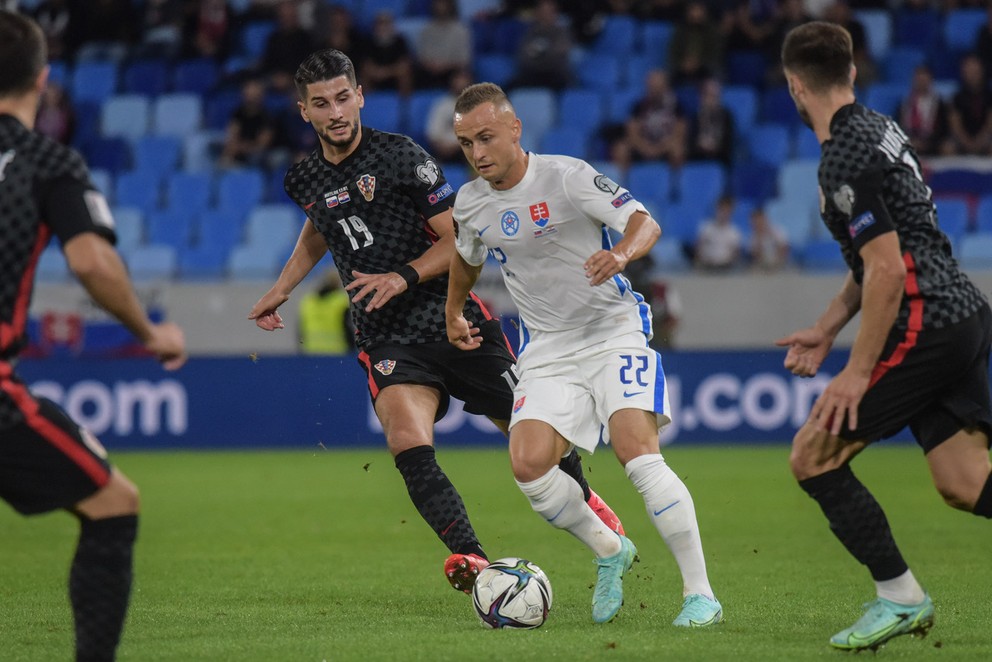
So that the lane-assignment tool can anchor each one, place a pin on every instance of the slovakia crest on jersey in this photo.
(386, 366)
(539, 214)
(366, 184)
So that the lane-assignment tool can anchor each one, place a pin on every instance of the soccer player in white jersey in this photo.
(586, 371)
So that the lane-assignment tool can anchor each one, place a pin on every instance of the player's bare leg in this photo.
(962, 472)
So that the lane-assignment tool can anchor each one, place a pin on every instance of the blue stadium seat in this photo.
(159, 154)
(152, 262)
(797, 178)
(742, 102)
(669, 256)
(886, 97)
(806, 144)
(746, 67)
(188, 191)
(456, 174)
(418, 110)
(240, 190)
(129, 225)
(795, 219)
(148, 77)
(600, 72)
(769, 143)
(878, 30)
(496, 68)
(470, 9)
(655, 37)
(753, 181)
(822, 255)
(918, 28)
(953, 217)
(276, 192)
(275, 225)
(111, 154)
(93, 81)
(383, 111)
(983, 214)
(220, 105)
(52, 267)
(59, 72)
(254, 38)
(649, 181)
(777, 106)
(618, 37)
(172, 227)
(198, 76)
(536, 109)
(253, 262)
(566, 140)
(582, 109)
(741, 216)
(704, 181)
(899, 65)
(139, 189)
(125, 116)
(975, 251)
(620, 103)
(682, 220)
(103, 180)
(961, 27)
(177, 114)
(507, 34)
(200, 149)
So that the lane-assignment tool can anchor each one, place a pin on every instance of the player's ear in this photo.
(517, 128)
(854, 73)
(361, 96)
(303, 111)
(41, 82)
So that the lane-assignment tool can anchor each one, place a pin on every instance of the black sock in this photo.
(572, 465)
(983, 506)
(100, 584)
(437, 500)
(857, 520)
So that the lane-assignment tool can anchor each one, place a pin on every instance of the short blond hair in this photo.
(476, 95)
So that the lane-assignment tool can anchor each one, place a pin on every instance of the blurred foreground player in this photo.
(921, 355)
(382, 206)
(46, 460)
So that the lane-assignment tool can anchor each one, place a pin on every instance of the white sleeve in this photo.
(599, 197)
(467, 241)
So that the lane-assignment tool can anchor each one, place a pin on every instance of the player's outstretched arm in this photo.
(641, 234)
(461, 278)
(310, 248)
(102, 273)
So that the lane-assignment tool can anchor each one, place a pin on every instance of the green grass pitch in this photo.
(319, 555)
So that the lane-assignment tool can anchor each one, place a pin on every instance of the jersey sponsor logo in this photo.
(483, 230)
(606, 185)
(386, 366)
(428, 172)
(5, 160)
(98, 208)
(440, 194)
(519, 404)
(540, 214)
(860, 224)
(335, 198)
(844, 199)
(366, 184)
(510, 223)
(623, 199)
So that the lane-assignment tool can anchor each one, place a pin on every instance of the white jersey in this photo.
(541, 232)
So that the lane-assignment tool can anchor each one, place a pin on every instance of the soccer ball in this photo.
(512, 593)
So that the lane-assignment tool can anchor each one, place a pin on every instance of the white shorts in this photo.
(577, 394)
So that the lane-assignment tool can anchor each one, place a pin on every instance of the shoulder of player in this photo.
(54, 160)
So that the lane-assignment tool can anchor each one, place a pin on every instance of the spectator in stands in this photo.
(55, 18)
(696, 49)
(656, 129)
(336, 29)
(923, 115)
(983, 42)
(748, 24)
(287, 46)
(587, 18)
(971, 110)
(387, 64)
(251, 131)
(161, 28)
(207, 32)
(669, 11)
(544, 56)
(768, 248)
(56, 117)
(839, 12)
(444, 46)
(325, 323)
(440, 135)
(711, 132)
(106, 28)
(718, 242)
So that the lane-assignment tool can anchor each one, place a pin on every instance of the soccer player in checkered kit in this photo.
(382, 206)
(586, 370)
(47, 461)
(920, 358)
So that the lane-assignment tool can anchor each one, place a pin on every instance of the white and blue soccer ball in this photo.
(512, 593)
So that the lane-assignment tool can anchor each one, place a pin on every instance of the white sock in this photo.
(903, 590)
(558, 499)
(670, 508)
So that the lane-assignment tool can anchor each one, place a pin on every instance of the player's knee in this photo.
(118, 497)
(527, 468)
(958, 494)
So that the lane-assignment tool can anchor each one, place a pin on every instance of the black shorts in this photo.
(937, 385)
(482, 378)
(47, 461)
